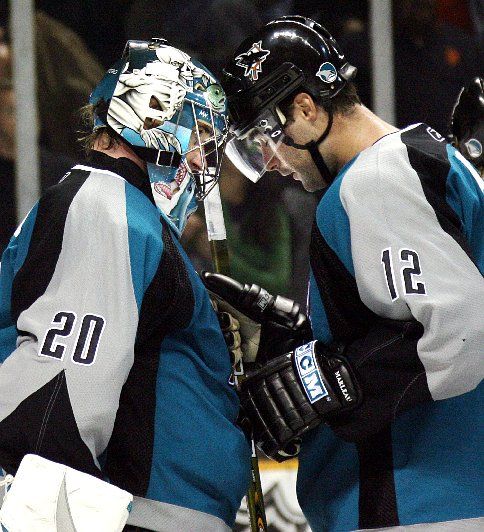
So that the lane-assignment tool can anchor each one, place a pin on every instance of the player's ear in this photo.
(305, 106)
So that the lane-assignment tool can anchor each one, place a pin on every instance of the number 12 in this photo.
(410, 285)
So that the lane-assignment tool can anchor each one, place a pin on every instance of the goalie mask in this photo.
(172, 112)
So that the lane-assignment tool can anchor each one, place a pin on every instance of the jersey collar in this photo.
(125, 168)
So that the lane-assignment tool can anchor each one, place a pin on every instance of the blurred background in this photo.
(413, 57)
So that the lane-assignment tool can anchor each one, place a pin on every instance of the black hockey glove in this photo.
(293, 393)
(268, 325)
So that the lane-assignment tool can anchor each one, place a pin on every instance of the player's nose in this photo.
(196, 160)
(271, 162)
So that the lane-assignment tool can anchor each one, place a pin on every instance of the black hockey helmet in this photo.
(467, 121)
(288, 55)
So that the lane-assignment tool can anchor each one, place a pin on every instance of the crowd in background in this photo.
(438, 48)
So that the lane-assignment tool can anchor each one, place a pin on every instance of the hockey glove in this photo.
(268, 325)
(293, 393)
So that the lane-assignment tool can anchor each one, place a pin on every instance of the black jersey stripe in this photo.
(433, 172)
(348, 317)
(31, 280)
(44, 424)
(377, 495)
(168, 304)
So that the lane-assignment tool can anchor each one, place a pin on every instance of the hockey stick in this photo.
(220, 257)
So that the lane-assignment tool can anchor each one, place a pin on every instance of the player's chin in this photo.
(285, 172)
(312, 185)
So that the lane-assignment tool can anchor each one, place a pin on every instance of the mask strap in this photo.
(158, 157)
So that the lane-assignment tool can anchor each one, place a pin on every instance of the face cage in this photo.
(247, 152)
(211, 151)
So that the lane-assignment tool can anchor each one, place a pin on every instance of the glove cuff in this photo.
(326, 377)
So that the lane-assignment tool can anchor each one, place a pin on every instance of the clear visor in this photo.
(253, 153)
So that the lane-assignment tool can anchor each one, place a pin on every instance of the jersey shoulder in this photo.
(401, 160)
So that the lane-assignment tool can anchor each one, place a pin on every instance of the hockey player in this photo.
(467, 123)
(113, 361)
(396, 295)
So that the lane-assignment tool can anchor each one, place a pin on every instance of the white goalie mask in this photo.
(172, 112)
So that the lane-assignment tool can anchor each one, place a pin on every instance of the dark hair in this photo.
(6, 83)
(4, 19)
(343, 103)
(88, 135)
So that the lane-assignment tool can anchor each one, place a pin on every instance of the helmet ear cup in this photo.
(467, 122)
(472, 149)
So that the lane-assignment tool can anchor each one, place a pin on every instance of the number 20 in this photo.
(87, 342)
(409, 256)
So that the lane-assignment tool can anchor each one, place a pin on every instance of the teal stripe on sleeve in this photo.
(334, 226)
(333, 222)
(145, 243)
(319, 319)
(12, 260)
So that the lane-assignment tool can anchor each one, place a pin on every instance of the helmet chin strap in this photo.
(312, 148)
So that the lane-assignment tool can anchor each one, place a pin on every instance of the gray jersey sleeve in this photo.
(407, 265)
(84, 323)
